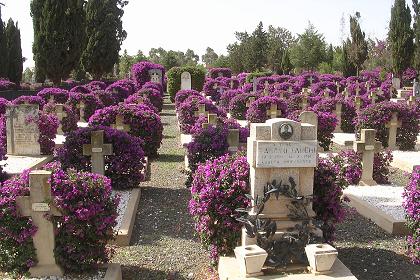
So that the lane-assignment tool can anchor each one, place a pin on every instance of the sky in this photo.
(197, 24)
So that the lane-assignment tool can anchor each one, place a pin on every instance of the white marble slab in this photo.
(405, 160)
(344, 139)
(15, 165)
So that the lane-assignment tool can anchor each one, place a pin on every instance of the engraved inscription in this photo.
(96, 150)
(40, 207)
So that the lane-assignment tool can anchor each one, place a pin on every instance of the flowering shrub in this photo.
(124, 172)
(319, 88)
(237, 106)
(378, 115)
(107, 98)
(140, 99)
(6, 85)
(411, 206)
(174, 79)
(96, 85)
(29, 100)
(227, 96)
(88, 216)
(48, 125)
(257, 112)
(68, 123)
(80, 89)
(120, 90)
(60, 95)
(218, 188)
(409, 75)
(154, 96)
(182, 95)
(91, 102)
(3, 105)
(220, 72)
(186, 110)
(140, 72)
(153, 85)
(144, 123)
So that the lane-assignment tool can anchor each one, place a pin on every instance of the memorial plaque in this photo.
(96, 150)
(40, 207)
(22, 130)
(286, 154)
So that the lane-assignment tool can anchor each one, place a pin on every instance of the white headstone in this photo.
(185, 81)
(396, 83)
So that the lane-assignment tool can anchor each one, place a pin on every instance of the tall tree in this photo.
(105, 35)
(3, 49)
(309, 50)
(416, 8)
(401, 37)
(349, 69)
(210, 57)
(59, 35)
(256, 49)
(358, 48)
(279, 40)
(14, 52)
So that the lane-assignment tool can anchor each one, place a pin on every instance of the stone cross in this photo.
(201, 110)
(373, 97)
(81, 106)
(393, 126)
(61, 114)
(337, 112)
(346, 94)
(358, 103)
(249, 101)
(211, 119)
(411, 102)
(367, 86)
(254, 85)
(326, 93)
(120, 125)
(357, 89)
(304, 102)
(233, 140)
(290, 89)
(37, 206)
(368, 146)
(231, 84)
(266, 86)
(273, 112)
(338, 87)
(311, 80)
(97, 150)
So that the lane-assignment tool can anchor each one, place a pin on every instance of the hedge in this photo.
(174, 79)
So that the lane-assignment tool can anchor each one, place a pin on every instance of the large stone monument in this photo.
(38, 207)
(22, 130)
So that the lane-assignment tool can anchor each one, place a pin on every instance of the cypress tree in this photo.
(348, 67)
(416, 8)
(401, 37)
(358, 48)
(105, 35)
(3, 50)
(59, 36)
(14, 53)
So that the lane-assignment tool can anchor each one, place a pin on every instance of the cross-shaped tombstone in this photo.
(290, 89)
(37, 206)
(311, 80)
(231, 84)
(346, 94)
(211, 119)
(337, 112)
(201, 110)
(61, 114)
(373, 96)
(81, 106)
(304, 102)
(326, 93)
(97, 150)
(393, 126)
(120, 125)
(367, 86)
(337, 84)
(233, 140)
(273, 112)
(254, 85)
(266, 86)
(411, 102)
(357, 89)
(358, 103)
(368, 146)
(249, 101)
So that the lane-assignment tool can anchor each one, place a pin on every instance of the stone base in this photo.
(379, 217)
(46, 270)
(126, 230)
(229, 270)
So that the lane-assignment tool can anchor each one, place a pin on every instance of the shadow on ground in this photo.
(170, 158)
(141, 273)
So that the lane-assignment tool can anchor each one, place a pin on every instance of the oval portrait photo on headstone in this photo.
(286, 131)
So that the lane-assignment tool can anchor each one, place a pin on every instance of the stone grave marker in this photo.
(211, 119)
(367, 86)
(357, 103)
(61, 114)
(411, 101)
(97, 150)
(282, 150)
(337, 84)
(81, 106)
(232, 84)
(346, 94)
(37, 207)
(358, 89)
(337, 111)
(396, 83)
(311, 80)
(368, 146)
(266, 88)
(186, 81)
(290, 90)
(273, 112)
(393, 126)
(416, 89)
(120, 125)
(249, 101)
(233, 140)
(254, 85)
(201, 110)
(156, 75)
(22, 130)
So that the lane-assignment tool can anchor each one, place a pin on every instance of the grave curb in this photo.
(38, 164)
(379, 217)
(126, 230)
(113, 272)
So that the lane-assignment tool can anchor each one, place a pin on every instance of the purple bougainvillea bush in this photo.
(220, 72)
(257, 112)
(140, 72)
(89, 214)
(227, 96)
(154, 96)
(80, 89)
(3, 105)
(60, 95)
(141, 99)
(186, 110)
(215, 87)
(182, 95)
(69, 123)
(378, 115)
(121, 89)
(107, 98)
(411, 206)
(6, 85)
(238, 105)
(144, 123)
(124, 167)
(29, 100)
(153, 85)
(219, 187)
(92, 103)
(96, 85)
